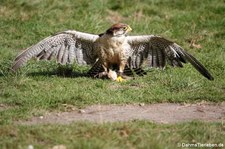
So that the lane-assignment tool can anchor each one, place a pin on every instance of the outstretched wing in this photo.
(155, 51)
(66, 47)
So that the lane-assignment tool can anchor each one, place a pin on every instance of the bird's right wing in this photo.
(156, 51)
(66, 47)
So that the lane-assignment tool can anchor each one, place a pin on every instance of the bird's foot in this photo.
(121, 77)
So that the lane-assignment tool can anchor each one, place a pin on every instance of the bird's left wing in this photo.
(156, 51)
(66, 47)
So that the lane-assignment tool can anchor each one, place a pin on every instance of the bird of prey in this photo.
(110, 52)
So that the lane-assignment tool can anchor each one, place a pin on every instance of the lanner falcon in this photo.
(111, 51)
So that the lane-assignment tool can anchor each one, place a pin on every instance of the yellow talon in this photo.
(119, 79)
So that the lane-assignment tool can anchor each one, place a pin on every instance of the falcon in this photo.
(112, 52)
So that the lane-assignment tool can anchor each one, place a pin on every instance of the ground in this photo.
(41, 93)
(159, 113)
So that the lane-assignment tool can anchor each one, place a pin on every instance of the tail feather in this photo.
(97, 69)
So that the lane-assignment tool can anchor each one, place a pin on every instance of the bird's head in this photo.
(119, 29)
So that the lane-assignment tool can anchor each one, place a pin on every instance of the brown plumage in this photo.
(111, 50)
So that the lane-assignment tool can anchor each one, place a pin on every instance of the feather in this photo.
(48, 53)
(154, 58)
(198, 66)
(159, 50)
(149, 56)
(65, 56)
(61, 46)
(54, 52)
(71, 53)
(60, 53)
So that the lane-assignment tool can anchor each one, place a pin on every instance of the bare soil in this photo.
(159, 113)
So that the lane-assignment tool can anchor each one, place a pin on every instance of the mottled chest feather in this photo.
(113, 49)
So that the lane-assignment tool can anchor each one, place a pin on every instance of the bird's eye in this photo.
(125, 28)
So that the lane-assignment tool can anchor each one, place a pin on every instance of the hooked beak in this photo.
(129, 28)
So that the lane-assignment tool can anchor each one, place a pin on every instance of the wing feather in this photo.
(60, 53)
(48, 53)
(54, 52)
(65, 56)
(154, 58)
(149, 56)
(62, 46)
(71, 53)
(156, 51)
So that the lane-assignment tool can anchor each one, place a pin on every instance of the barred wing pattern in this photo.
(156, 51)
(67, 47)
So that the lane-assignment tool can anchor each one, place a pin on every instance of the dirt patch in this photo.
(159, 113)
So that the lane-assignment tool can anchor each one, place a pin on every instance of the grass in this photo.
(137, 134)
(37, 88)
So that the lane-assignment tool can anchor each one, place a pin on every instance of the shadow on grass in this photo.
(64, 73)
(1, 75)
(67, 74)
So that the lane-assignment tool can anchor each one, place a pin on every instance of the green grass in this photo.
(137, 134)
(37, 88)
